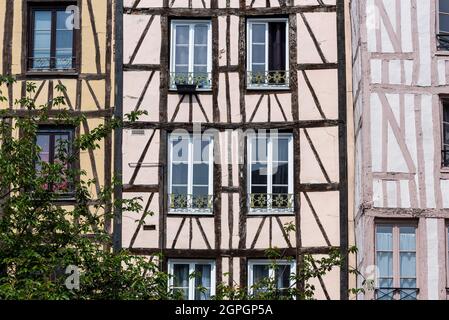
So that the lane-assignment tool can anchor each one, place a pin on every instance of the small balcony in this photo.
(190, 204)
(190, 82)
(443, 42)
(396, 293)
(276, 203)
(51, 64)
(274, 79)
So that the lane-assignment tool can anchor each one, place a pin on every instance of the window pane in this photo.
(385, 282)
(61, 144)
(200, 191)
(64, 42)
(43, 141)
(182, 34)
(384, 238)
(258, 173)
(42, 39)
(201, 34)
(280, 149)
(180, 149)
(182, 55)
(258, 34)
(201, 174)
(259, 149)
(260, 272)
(179, 174)
(280, 190)
(181, 279)
(201, 150)
(258, 53)
(407, 239)
(181, 71)
(444, 5)
(259, 190)
(408, 265)
(200, 56)
(203, 273)
(385, 264)
(280, 173)
(282, 275)
(444, 23)
(258, 73)
(179, 190)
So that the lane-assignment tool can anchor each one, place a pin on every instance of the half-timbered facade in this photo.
(245, 134)
(401, 70)
(66, 43)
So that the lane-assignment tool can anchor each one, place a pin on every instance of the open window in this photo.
(267, 53)
(191, 55)
(52, 39)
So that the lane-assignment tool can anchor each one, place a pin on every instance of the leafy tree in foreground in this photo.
(41, 239)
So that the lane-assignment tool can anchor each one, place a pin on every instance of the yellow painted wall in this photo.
(87, 69)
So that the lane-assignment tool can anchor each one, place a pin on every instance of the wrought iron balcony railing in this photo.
(268, 79)
(397, 293)
(51, 63)
(443, 42)
(199, 80)
(276, 202)
(189, 203)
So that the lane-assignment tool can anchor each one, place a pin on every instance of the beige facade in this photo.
(305, 102)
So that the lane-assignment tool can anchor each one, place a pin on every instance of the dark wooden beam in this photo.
(221, 126)
(235, 253)
(215, 12)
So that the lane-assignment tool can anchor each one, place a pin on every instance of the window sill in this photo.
(43, 74)
(271, 212)
(443, 53)
(444, 173)
(190, 213)
(267, 88)
(174, 90)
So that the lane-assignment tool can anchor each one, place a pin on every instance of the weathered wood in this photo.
(215, 12)
(235, 253)
(289, 125)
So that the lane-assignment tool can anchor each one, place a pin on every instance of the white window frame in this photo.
(396, 251)
(271, 270)
(269, 211)
(192, 263)
(191, 137)
(191, 24)
(249, 48)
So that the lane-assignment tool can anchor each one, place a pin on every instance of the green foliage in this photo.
(40, 237)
